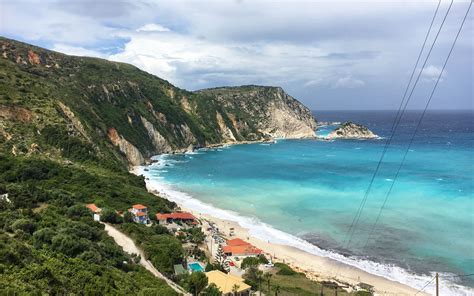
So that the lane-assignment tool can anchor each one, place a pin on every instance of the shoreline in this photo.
(315, 267)
(316, 263)
(149, 160)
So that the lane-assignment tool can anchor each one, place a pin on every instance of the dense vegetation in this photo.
(284, 281)
(66, 107)
(161, 248)
(31, 180)
(48, 240)
(57, 154)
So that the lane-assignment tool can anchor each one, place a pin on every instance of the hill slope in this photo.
(89, 109)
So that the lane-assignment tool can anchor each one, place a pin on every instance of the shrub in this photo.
(43, 237)
(212, 290)
(196, 282)
(110, 216)
(285, 269)
(77, 211)
(249, 262)
(262, 259)
(25, 225)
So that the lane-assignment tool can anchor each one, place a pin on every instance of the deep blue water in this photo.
(313, 188)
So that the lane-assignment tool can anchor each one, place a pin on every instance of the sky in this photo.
(331, 55)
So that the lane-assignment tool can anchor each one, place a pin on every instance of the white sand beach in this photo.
(315, 267)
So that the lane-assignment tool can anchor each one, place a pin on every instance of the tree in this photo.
(277, 290)
(226, 265)
(235, 289)
(196, 282)
(195, 235)
(212, 290)
(249, 262)
(26, 225)
(127, 217)
(253, 277)
(77, 211)
(267, 276)
(110, 216)
(220, 257)
(262, 259)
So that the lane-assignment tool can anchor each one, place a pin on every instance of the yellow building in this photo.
(227, 282)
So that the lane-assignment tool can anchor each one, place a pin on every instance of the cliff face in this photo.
(350, 130)
(79, 108)
(264, 112)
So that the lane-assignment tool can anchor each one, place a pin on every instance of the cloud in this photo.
(432, 72)
(77, 51)
(307, 46)
(348, 82)
(153, 28)
(314, 82)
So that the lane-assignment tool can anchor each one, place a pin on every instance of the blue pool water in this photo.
(312, 190)
(195, 267)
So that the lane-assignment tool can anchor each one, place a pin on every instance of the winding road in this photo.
(128, 246)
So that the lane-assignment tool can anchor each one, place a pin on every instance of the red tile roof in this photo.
(237, 242)
(139, 214)
(176, 216)
(241, 250)
(93, 208)
(139, 207)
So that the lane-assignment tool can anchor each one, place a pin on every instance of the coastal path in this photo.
(128, 246)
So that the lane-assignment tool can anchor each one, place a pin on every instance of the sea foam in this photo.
(265, 232)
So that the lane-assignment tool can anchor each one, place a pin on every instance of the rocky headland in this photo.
(351, 130)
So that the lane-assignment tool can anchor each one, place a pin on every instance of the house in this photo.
(237, 242)
(240, 248)
(95, 210)
(183, 217)
(139, 214)
(241, 251)
(228, 284)
(4, 197)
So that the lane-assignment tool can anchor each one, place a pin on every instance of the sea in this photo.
(310, 194)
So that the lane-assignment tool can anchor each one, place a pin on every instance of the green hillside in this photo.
(89, 109)
(70, 128)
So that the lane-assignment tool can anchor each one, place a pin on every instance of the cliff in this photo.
(263, 112)
(89, 109)
(350, 130)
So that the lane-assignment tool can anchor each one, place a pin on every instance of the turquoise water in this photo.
(195, 267)
(312, 189)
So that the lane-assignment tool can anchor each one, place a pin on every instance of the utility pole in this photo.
(437, 284)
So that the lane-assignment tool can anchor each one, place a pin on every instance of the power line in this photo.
(427, 283)
(387, 143)
(418, 125)
(416, 65)
(434, 277)
(397, 122)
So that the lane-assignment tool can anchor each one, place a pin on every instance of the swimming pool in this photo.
(195, 266)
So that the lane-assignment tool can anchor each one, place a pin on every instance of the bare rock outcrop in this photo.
(350, 130)
(263, 112)
(133, 155)
(226, 132)
(159, 142)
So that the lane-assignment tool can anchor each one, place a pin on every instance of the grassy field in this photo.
(286, 282)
